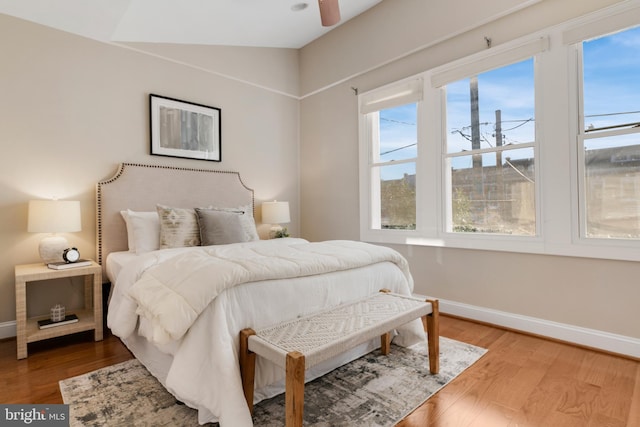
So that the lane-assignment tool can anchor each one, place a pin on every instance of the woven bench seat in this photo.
(302, 343)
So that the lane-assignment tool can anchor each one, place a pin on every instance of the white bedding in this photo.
(203, 367)
(116, 261)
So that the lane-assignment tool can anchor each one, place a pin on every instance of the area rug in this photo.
(374, 390)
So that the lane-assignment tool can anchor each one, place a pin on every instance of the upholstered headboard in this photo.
(142, 187)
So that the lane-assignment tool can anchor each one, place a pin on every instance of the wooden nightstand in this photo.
(89, 318)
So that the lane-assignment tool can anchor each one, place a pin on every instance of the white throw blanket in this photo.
(172, 294)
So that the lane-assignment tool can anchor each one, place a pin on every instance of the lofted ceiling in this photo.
(259, 23)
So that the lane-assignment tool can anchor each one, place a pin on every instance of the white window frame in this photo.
(557, 157)
(476, 64)
(617, 20)
(408, 91)
(505, 58)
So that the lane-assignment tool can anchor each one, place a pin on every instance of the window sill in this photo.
(620, 250)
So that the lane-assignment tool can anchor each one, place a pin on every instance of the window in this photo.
(392, 146)
(489, 158)
(395, 164)
(529, 146)
(609, 136)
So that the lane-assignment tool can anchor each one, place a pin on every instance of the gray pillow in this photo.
(218, 227)
(247, 221)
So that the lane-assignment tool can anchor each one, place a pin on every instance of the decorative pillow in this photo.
(143, 230)
(178, 227)
(247, 221)
(218, 227)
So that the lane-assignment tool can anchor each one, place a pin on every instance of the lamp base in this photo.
(51, 248)
(278, 231)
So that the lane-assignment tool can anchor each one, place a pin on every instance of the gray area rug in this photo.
(374, 390)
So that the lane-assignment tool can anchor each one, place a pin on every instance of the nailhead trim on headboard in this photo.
(121, 169)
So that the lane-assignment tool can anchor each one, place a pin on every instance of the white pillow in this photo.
(131, 241)
(143, 231)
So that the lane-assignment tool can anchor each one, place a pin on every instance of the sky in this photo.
(611, 88)
(618, 54)
(509, 89)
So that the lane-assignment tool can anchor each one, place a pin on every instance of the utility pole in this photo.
(499, 138)
(499, 177)
(475, 122)
(477, 194)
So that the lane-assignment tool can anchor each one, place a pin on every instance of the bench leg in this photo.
(294, 391)
(433, 336)
(247, 366)
(385, 343)
(385, 339)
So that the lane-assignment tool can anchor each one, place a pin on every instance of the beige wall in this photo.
(381, 34)
(71, 109)
(589, 293)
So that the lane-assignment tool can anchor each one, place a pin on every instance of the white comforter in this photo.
(193, 302)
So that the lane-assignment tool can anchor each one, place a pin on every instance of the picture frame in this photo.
(184, 129)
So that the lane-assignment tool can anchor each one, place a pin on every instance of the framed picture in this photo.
(184, 129)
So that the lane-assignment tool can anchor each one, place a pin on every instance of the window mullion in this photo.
(609, 133)
(491, 150)
(394, 162)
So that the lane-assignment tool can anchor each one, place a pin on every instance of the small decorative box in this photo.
(57, 313)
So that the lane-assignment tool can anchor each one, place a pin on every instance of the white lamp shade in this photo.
(275, 212)
(54, 216)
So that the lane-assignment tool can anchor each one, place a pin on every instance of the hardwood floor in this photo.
(521, 381)
(35, 379)
(529, 381)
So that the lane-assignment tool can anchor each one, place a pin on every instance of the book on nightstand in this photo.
(48, 323)
(64, 265)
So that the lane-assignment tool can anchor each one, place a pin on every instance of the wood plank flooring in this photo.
(521, 381)
(35, 379)
(529, 381)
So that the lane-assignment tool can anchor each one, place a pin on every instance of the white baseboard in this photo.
(7, 329)
(573, 334)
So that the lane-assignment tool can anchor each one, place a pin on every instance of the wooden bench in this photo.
(302, 343)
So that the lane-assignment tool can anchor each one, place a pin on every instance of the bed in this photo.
(180, 309)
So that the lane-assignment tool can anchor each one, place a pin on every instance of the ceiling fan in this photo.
(329, 12)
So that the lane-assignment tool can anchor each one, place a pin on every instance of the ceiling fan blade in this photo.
(329, 12)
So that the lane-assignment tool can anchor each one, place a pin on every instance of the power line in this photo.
(521, 124)
(483, 136)
(399, 148)
(612, 114)
(525, 121)
(469, 127)
(462, 134)
(397, 121)
(468, 137)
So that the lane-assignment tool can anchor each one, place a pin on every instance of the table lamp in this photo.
(53, 216)
(276, 213)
